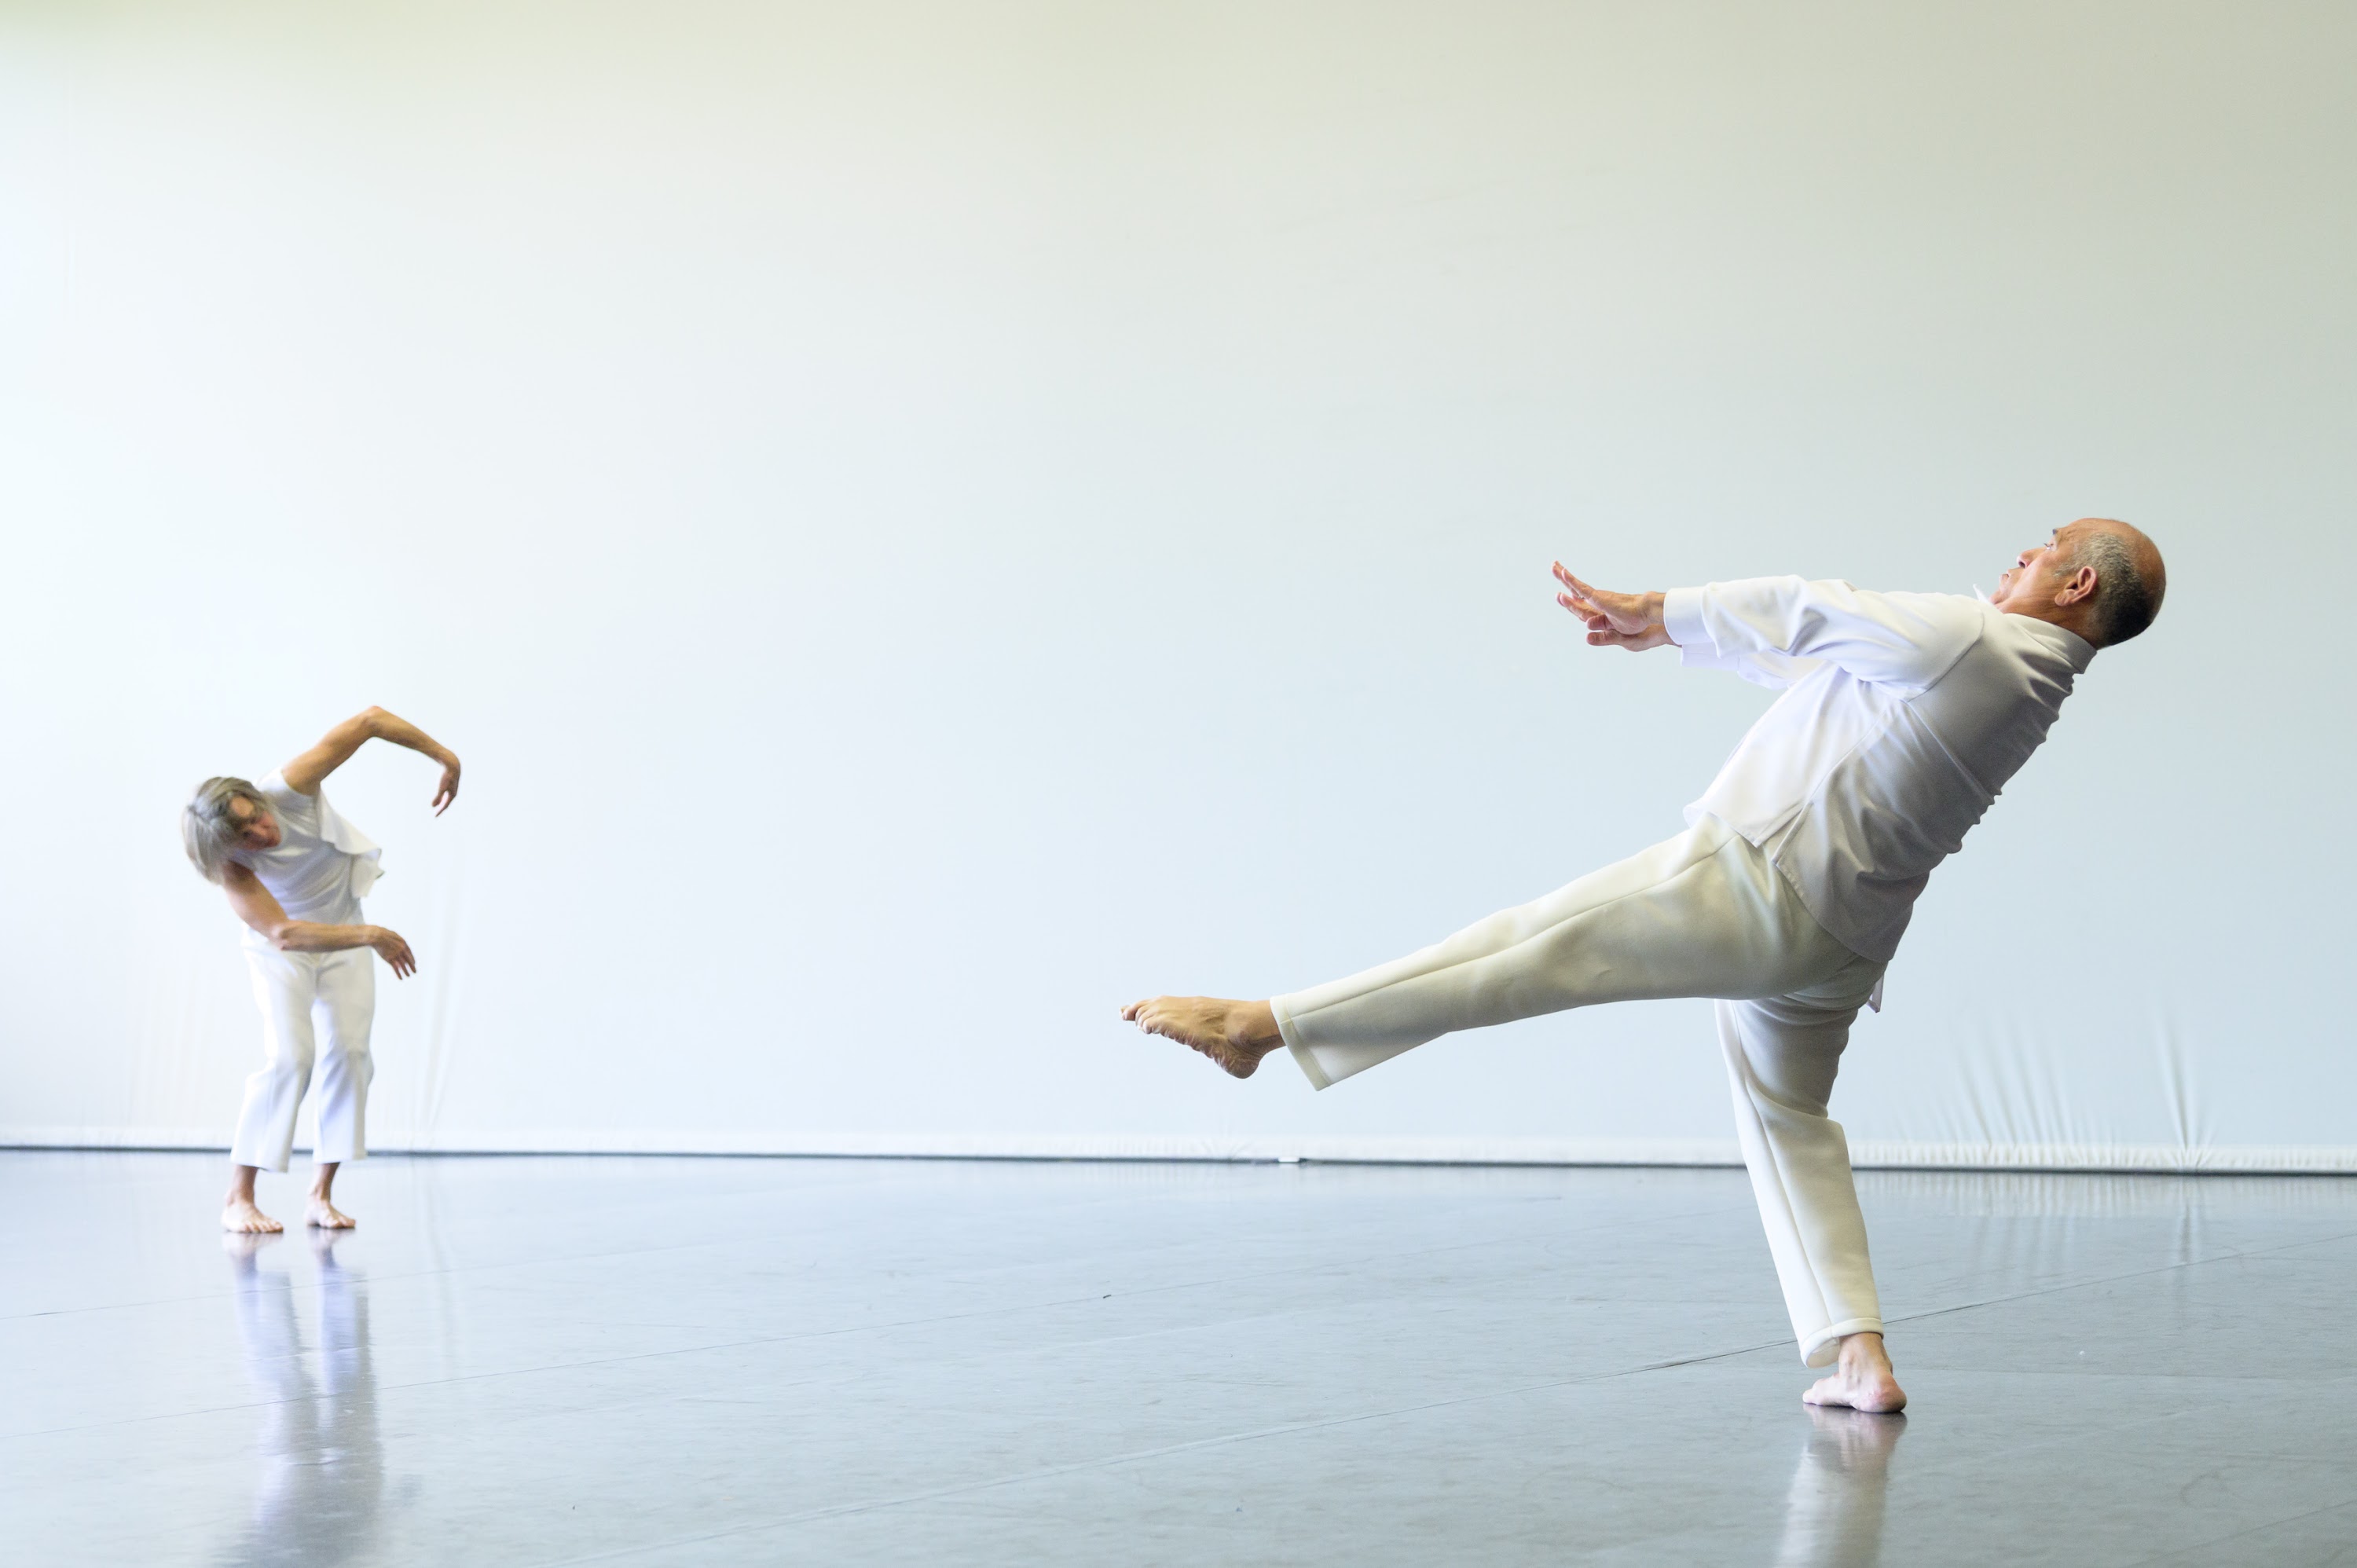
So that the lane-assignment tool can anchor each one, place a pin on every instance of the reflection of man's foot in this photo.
(1235, 1034)
(1862, 1379)
(326, 1215)
(242, 1217)
(1857, 1448)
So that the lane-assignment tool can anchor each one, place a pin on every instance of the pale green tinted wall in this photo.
(928, 521)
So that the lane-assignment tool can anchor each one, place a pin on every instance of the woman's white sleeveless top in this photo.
(322, 865)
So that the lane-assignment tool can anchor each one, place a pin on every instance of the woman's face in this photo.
(258, 825)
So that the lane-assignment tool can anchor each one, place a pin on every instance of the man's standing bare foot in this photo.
(1235, 1034)
(1862, 1379)
(319, 1211)
(238, 1210)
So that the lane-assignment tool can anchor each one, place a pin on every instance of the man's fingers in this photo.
(1586, 609)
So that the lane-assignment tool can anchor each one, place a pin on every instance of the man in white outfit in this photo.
(1902, 715)
(296, 872)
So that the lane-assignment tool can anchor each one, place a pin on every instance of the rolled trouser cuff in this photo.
(1823, 1349)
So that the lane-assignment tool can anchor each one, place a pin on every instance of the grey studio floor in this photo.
(548, 1361)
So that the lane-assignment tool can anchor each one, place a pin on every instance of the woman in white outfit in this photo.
(296, 872)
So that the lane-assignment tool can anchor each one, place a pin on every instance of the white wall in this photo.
(928, 521)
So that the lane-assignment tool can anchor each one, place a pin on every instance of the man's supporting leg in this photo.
(1782, 1053)
(284, 987)
(345, 1005)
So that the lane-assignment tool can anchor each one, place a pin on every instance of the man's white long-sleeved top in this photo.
(1903, 714)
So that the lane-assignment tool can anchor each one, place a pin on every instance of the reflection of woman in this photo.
(294, 871)
(317, 1497)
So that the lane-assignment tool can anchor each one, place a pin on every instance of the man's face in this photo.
(257, 827)
(2037, 571)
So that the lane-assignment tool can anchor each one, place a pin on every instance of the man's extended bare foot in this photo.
(1235, 1034)
(1862, 1379)
(242, 1217)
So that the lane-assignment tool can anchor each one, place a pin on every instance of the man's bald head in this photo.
(2130, 577)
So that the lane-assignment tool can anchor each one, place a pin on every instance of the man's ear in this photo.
(2077, 589)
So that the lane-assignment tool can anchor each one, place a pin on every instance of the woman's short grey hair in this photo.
(208, 829)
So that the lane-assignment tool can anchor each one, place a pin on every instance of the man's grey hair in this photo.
(208, 829)
(2125, 600)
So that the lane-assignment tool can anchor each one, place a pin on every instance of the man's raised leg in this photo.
(1703, 914)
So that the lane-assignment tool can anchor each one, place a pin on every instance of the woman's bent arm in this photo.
(258, 908)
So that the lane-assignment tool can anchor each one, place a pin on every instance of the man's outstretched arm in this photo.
(1774, 630)
(308, 771)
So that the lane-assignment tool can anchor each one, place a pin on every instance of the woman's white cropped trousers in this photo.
(1703, 914)
(302, 996)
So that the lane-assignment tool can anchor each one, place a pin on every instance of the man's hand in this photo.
(1633, 622)
(394, 951)
(448, 790)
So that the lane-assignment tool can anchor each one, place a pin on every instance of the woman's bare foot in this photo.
(244, 1218)
(1235, 1034)
(321, 1210)
(1862, 1379)
(238, 1211)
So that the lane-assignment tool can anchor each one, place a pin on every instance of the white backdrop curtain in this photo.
(928, 521)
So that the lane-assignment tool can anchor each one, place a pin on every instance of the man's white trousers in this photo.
(303, 995)
(1703, 914)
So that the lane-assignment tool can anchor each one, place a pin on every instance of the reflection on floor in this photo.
(524, 1361)
(320, 1467)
